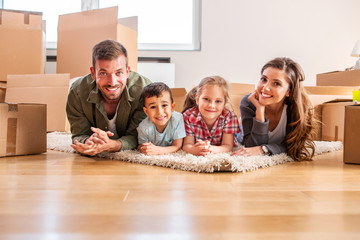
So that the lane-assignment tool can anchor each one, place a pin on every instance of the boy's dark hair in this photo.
(156, 89)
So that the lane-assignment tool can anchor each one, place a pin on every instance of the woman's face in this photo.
(273, 87)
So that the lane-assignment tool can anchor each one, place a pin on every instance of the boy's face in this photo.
(159, 110)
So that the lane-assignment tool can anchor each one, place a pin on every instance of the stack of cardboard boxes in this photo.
(341, 117)
(33, 103)
(23, 126)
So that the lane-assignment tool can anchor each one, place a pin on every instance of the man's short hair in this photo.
(108, 50)
(156, 89)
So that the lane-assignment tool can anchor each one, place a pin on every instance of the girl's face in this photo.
(211, 102)
(273, 87)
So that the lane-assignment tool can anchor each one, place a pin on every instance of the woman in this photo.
(278, 116)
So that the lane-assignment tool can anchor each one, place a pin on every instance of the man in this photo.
(104, 108)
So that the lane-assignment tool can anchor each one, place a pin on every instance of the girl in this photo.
(210, 125)
(278, 116)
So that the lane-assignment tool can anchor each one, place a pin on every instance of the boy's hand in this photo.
(149, 149)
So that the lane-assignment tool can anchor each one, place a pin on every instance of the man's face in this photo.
(111, 77)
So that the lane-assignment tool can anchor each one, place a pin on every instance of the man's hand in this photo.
(98, 142)
(88, 148)
(99, 136)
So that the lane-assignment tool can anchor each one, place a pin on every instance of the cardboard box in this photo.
(351, 134)
(50, 89)
(321, 94)
(79, 32)
(23, 129)
(237, 92)
(21, 43)
(179, 98)
(339, 78)
(333, 115)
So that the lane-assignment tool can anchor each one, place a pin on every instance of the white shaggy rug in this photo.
(60, 141)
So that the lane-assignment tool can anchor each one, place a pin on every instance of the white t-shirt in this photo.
(112, 124)
(279, 133)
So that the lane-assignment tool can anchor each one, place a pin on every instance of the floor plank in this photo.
(67, 196)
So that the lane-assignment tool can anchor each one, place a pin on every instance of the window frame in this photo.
(195, 45)
(196, 33)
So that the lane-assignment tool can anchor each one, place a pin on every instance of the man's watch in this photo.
(266, 150)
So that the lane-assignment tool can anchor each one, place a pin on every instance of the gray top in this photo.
(256, 133)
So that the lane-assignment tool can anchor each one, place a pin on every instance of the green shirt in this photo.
(85, 109)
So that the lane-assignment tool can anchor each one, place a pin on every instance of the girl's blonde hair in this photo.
(299, 141)
(190, 99)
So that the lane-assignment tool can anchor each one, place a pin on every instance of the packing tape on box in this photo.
(11, 131)
(11, 136)
(26, 18)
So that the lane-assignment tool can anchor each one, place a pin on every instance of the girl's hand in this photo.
(250, 151)
(203, 147)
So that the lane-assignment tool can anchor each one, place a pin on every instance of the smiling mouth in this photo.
(112, 88)
(160, 118)
(266, 95)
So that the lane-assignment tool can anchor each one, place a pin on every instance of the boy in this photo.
(163, 130)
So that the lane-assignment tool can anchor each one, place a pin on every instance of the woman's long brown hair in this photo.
(299, 140)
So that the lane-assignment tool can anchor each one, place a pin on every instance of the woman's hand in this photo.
(260, 109)
(250, 151)
(254, 99)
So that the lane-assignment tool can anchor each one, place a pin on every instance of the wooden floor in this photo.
(67, 196)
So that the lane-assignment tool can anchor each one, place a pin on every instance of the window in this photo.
(162, 24)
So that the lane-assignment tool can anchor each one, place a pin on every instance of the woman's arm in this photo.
(255, 133)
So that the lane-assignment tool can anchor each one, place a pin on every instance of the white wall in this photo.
(240, 36)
